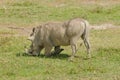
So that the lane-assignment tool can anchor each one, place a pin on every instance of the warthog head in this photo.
(34, 48)
(28, 51)
(31, 49)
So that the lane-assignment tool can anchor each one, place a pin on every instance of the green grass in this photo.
(104, 64)
(105, 61)
(29, 12)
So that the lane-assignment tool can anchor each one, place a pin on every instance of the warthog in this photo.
(56, 51)
(55, 34)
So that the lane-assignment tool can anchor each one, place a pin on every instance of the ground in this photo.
(18, 17)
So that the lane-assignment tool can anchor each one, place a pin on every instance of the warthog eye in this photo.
(33, 29)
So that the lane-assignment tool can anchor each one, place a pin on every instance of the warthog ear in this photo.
(33, 29)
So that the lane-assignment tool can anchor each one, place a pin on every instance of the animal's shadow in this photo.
(57, 56)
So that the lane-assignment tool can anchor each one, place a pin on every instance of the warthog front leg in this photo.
(57, 50)
(48, 51)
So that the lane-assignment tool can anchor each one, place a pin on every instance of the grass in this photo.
(29, 12)
(104, 64)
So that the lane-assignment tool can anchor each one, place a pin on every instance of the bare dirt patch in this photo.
(11, 30)
(103, 26)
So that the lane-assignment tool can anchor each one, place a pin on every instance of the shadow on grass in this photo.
(58, 56)
(62, 56)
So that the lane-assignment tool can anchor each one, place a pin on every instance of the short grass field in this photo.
(105, 44)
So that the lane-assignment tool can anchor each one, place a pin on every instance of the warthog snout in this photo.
(28, 50)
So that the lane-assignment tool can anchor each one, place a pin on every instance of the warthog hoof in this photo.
(56, 52)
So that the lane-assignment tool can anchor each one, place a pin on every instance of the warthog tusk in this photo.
(30, 38)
